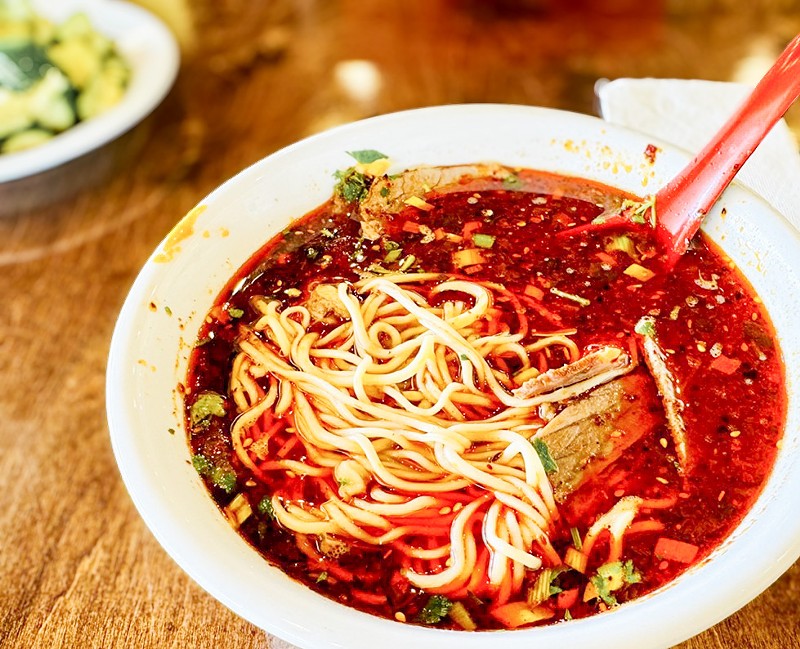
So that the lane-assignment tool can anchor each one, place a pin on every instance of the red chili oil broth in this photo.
(734, 417)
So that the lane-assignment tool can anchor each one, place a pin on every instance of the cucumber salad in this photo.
(52, 76)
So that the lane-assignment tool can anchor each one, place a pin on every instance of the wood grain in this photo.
(78, 566)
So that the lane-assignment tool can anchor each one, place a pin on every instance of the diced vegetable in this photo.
(543, 588)
(639, 272)
(52, 76)
(567, 598)
(576, 538)
(622, 243)
(725, 364)
(517, 614)
(534, 291)
(468, 257)
(576, 560)
(460, 615)
(483, 240)
(419, 203)
(238, 511)
(26, 140)
(673, 550)
(606, 258)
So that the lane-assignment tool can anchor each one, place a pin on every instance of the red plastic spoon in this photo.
(682, 203)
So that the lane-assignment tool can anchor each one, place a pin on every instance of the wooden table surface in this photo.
(78, 568)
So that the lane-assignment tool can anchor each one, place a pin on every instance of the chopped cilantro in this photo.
(463, 357)
(323, 576)
(225, 480)
(611, 577)
(201, 464)
(511, 181)
(434, 611)
(167, 310)
(646, 327)
(384, 192)
(202, 341)
(541, 449)
(220, 477)
(640, 210)
(208, 404)
(233, 312)
(365, 156)
(265, 507)
(352, 185)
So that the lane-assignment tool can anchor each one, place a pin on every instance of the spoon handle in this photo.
(683, 202)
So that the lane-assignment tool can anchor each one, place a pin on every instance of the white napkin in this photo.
(688, 112)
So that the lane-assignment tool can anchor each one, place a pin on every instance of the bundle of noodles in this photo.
(399, 397)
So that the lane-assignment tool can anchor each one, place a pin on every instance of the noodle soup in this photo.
(423, 402)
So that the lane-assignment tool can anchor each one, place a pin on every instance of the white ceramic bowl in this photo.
(180, 282)
(148, 47)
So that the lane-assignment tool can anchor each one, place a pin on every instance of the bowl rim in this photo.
(153, 55)
(336, 622)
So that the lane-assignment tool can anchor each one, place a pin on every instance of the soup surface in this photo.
(425, 401)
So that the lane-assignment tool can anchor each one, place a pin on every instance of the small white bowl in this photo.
(149, 48)
(180, 282)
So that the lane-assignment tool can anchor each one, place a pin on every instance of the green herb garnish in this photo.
(233, 312)
(207, 405)
(435, 610)
(221, 477)
(612, 577)
(543, 452)
(639, 210)
(365, 156)
(265, 507)
(352, 185)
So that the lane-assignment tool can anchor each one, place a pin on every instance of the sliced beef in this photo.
(592, 431)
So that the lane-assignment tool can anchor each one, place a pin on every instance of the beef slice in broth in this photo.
(593, 430)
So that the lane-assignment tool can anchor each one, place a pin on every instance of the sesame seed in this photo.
(663, 442)
(736, 433)
(662, 480)
(400, 616)
(445, 510)
(472, 200)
